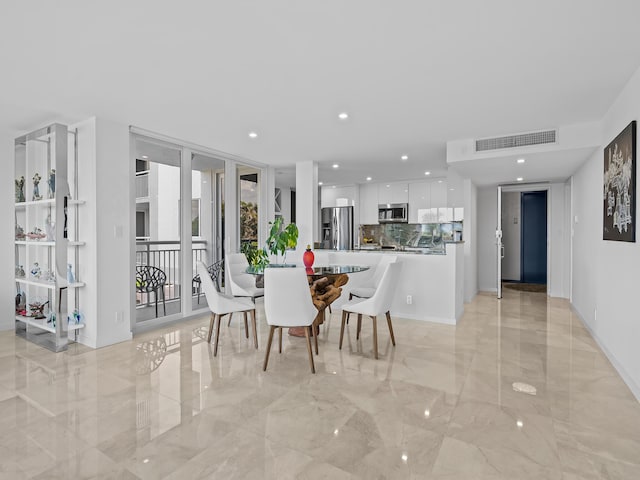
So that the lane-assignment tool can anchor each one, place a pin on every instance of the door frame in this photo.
(533, 187)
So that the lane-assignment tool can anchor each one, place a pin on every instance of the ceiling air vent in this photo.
(513, 141)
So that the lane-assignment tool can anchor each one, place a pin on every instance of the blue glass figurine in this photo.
(70, 277)
(52, 183)
(36, 188)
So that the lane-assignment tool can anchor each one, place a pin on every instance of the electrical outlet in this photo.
(409, 299)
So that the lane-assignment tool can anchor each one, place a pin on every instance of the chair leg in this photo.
(280, 340)
(213, 320)
(156, 295)
(164, 305)
(345, 316)
(350, 296)
(315, 336)
(215, 347)
(393, 338)
(229, 322)
(266, 356)
(307, 332)
(255, 331)
(246, 325)
(359, 326)
(375, 337)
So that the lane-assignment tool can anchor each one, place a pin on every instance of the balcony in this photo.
(165, 255)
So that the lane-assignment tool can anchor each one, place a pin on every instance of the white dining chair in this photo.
(242, 284)
(288, 303)
(369, 288)
(221, 304)
(379, 303)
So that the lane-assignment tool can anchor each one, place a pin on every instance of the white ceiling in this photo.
(412, 74)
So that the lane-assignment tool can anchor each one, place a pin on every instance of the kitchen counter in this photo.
(411, 251)
(431, 286)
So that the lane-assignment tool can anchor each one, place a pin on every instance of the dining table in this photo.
(325, 285)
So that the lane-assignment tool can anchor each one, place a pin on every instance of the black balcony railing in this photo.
(165, 255)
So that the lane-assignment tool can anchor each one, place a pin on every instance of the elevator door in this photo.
(534, 237)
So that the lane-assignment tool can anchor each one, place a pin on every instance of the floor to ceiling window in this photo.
(207, 200)
(180, 220)
(158, 236)
(249, 195)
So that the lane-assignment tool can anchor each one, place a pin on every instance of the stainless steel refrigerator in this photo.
(337, 228)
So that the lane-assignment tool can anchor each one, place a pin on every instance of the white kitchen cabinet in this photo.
(369, 204)
(338, 196)
(439, 194)
(394, 192)
(419, 201)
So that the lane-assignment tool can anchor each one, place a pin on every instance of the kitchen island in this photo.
(431, 286)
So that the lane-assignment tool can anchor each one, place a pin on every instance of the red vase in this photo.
(308, 257)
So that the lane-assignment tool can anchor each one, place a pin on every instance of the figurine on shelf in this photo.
(21, 303)
(20, 235)
(19, 271)
(36, 234)
(52, 183)
(70, 277)
(75, 318)
(36, 271)
(50, 228)
(48, 276)
(51, 318)
(20, 190)
(36, 188)
(37, 310)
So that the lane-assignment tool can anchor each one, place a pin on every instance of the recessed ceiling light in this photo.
(451, 189)
(368, 179)
(335, 165)
(319, 183)
(343, 115)
(388, 186)
(439, 181)
(145, 156)
(427, 173)
(519, 179)
(519, 423)
(253, 135)
(404, 157)
(333, 186)
(520, 160)
(405, 457)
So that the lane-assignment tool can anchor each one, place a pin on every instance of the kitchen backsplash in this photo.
(423, 235)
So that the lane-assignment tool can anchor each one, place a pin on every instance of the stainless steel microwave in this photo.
(393, 213)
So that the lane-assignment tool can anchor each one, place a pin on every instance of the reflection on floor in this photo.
(517, 390)
(148, 312)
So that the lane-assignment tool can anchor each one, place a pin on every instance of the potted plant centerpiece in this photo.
(280, 240)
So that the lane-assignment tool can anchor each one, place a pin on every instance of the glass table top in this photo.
(319, 270)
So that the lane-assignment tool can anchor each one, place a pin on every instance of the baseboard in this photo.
(633, 386)
(446, 321)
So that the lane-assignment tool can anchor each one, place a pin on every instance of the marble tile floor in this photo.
(441, 405)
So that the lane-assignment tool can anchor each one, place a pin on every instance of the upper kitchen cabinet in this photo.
(419, 201)
(439, 194)
(396, 192)
(338, 196)
(369, 204)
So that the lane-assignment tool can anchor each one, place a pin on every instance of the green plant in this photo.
(257, 257)
(281, 238)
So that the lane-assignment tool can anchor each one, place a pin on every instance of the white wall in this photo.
(606, 274)
(511, 223)
(470, 236)
(113, 232)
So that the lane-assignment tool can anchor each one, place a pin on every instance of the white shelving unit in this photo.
(47, 236)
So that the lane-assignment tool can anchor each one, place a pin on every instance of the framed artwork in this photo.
(619, 194)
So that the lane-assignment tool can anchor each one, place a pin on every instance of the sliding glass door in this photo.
(158, 233)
